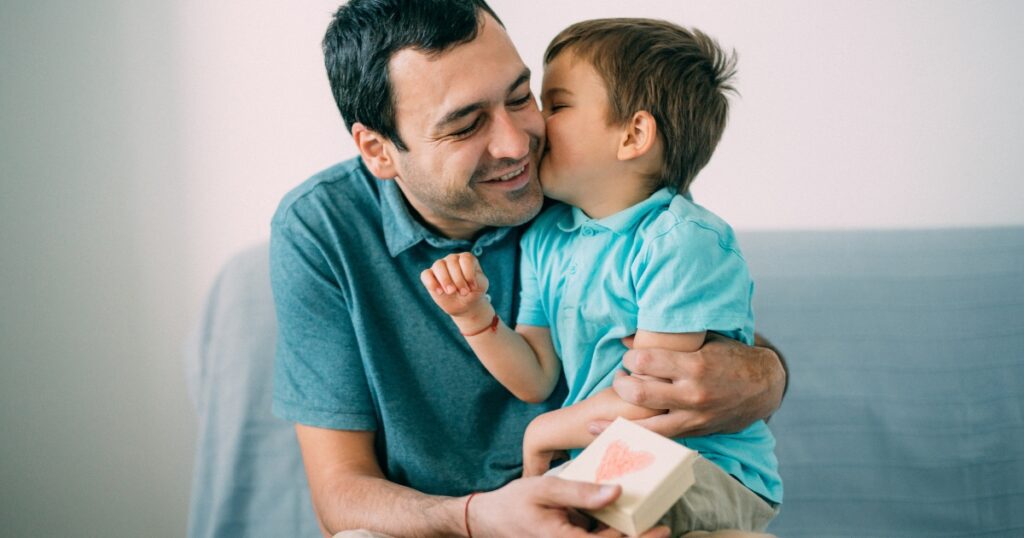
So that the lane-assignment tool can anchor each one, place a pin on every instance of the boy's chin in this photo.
(553, 194)
(558, 188)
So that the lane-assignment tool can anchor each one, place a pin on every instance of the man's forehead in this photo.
(435, 85)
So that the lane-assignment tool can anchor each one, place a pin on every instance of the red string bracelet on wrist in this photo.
(465, 514)
(493, 328)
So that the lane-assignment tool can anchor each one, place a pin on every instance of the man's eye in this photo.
(467, 131)
(522, 101)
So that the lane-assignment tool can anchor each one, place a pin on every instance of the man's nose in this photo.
(508, 138)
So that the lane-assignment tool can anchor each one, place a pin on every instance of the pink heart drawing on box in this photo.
(619, 460)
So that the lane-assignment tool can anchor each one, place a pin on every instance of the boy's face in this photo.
(582, 146)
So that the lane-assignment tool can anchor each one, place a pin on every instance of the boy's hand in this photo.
(457, 284)
(538, 462)
(538, 450)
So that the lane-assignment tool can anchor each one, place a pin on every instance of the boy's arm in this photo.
(524, 360)
(569, 427)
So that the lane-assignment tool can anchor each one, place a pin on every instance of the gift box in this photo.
(654, 472)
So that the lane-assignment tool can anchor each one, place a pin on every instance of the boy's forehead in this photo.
(566, 69)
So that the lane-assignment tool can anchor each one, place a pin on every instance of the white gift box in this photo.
(654, 472)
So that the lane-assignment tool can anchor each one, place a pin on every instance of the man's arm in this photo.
(350, 492)
(761, 341)
(723, 387)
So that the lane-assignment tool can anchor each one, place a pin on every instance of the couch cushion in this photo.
(905, 415)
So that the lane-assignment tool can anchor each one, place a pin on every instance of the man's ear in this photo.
(639, 135)
(376, 151)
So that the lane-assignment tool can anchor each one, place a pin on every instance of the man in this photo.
(397, 420)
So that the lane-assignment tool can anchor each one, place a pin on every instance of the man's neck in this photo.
(444, 226)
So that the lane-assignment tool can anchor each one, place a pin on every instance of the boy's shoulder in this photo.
(689, 223)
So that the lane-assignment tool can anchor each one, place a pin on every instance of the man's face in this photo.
(581, 154)
(473, 133)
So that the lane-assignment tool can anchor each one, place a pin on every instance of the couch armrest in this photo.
(248, 477)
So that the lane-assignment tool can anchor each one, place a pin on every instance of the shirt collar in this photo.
(402, 231)
(624, 220)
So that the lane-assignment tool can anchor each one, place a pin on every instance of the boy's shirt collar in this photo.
(622, 222)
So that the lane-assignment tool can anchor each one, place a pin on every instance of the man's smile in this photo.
(514, 179)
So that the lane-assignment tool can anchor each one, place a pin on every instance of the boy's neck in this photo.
(605, 200)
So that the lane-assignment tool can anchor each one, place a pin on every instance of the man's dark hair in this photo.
(680, 76)
(365, 34)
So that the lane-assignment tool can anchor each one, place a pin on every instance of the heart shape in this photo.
(619, 460)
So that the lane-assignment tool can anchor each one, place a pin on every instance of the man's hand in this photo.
(721, 388)
(542, 506)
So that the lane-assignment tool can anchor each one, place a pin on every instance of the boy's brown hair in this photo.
(679, 76)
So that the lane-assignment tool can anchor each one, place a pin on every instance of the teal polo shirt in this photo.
(664, 265)
(362, 346)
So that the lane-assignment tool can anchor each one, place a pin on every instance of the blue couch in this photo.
(904, 418)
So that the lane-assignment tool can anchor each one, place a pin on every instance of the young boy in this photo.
(634, 109)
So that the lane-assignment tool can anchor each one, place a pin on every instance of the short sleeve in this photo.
(531, 308)
(319, 379)
(693, 278)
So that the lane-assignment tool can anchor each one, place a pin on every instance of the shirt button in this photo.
(572, 269)
(477, 251)
(587, 232)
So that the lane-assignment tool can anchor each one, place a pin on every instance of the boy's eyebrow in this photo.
(550, 91)
(461, 112)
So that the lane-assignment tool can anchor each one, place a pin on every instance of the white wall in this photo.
(142, 143)
(854, 114)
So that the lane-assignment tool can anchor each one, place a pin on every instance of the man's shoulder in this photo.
(345, 186)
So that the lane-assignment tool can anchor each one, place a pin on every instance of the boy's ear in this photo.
(376, 151)
(638, 136)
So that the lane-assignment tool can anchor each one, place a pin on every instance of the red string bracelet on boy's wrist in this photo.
(493, 327)
(465, 514)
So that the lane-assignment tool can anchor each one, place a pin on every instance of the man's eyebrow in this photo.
(523, 77)
(464, 111)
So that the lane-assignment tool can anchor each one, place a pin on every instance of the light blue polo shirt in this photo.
(663, 265)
